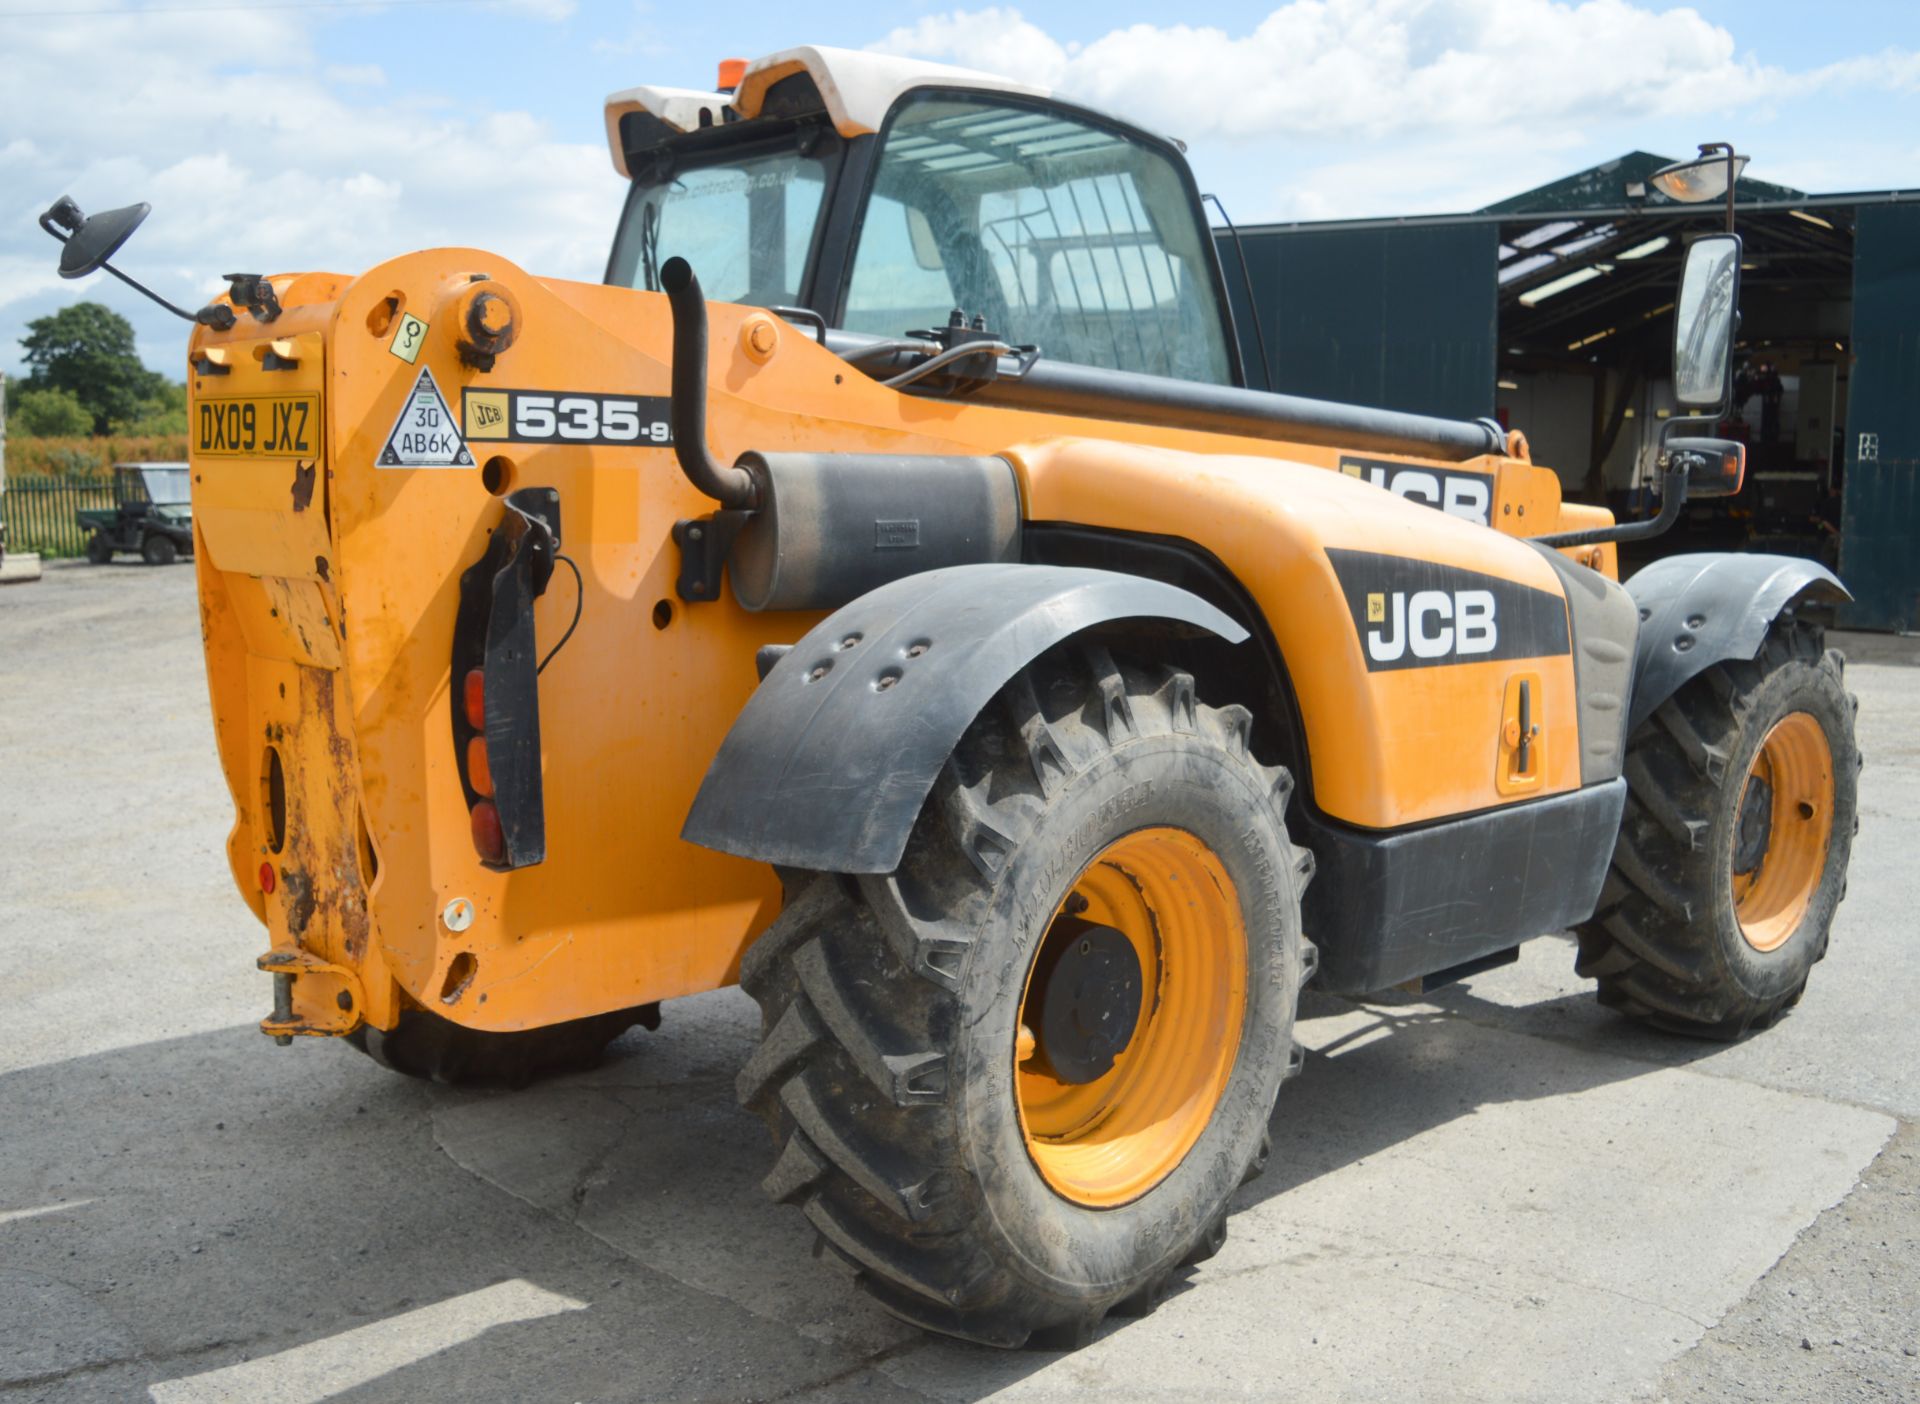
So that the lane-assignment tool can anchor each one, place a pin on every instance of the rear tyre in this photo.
(158, 550)
(1014, 1082)
(99, 549)
(424, 1045)
(1732, 855)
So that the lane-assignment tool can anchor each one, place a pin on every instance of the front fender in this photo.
(1703, 609)
(829, 763)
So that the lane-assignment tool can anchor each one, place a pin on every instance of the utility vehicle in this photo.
(152, 514)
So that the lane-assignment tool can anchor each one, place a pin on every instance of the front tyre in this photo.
(158, 550)
(1742, 804)
(1015, 1081)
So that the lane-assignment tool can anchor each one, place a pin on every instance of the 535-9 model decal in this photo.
(542, 417)
(1418, 614)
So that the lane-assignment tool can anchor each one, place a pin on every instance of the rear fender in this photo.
(1699, 610)
(829, 763)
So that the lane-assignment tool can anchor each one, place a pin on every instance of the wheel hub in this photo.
(1784, 827)
(1130, 1020)
(1090, 1001)
(1756, 827)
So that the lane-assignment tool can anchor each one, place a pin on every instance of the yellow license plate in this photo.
(257, 426)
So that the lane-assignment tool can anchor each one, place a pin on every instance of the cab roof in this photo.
(857, 87)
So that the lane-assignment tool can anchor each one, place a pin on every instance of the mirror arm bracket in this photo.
(1673, 496)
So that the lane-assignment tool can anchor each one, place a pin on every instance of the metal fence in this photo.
(39, 513)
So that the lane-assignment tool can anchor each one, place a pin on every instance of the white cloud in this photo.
(1378, 69)
(268, 163)
(996, 40)
(357, 75)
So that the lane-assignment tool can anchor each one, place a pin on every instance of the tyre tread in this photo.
(1645, 943)
(857, 984)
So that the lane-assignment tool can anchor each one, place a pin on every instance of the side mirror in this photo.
(1714, 467)
(1704, 323)
(90, 240)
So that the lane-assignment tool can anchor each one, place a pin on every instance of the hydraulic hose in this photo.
(730, 487)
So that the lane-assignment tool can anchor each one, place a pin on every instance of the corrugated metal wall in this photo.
(1880, 523)
(1402, 319)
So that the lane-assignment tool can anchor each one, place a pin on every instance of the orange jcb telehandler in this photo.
(953, 650)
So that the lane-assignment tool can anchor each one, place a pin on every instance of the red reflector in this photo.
(487, 837)
(266, 877)
(474, 699)
(479, 773)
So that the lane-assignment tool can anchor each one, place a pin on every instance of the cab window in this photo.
(1061, 233)
(746, 226)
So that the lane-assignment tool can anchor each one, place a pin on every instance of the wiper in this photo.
(650, 247)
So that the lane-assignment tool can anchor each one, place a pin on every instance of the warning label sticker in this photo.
(426, 435)
(407, 338)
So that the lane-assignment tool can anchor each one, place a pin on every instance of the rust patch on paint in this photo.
(325, 895)
(303, 481)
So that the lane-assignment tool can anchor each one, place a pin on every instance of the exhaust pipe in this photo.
(730, 487)
(815, 530)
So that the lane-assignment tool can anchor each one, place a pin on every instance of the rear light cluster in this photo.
(494, 696)
(488, 838)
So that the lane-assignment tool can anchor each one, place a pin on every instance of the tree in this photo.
(164, 413)
(87, 349)
(47, 414)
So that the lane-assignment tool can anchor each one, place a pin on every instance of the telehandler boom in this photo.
(953, 651)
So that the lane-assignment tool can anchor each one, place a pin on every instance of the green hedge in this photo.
(90, 457)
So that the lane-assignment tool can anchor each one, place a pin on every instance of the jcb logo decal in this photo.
(1468, 496)
(1415, 614)
(1431, 624)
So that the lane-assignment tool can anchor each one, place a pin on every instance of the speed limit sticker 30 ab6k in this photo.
(425, 435)
(543, 417)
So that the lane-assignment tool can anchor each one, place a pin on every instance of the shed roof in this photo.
(1621, 181)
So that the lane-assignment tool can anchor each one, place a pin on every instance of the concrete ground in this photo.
(1497, 1192)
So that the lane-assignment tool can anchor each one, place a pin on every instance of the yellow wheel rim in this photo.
(1795, 764)
(1106, 1142)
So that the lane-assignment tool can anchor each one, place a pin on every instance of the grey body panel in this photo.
(1605, 623)
(1699, 610)
(830, 773)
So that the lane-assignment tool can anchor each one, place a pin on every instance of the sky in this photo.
(284, 135)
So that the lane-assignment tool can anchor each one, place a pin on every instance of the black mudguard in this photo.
(833, 756)
(1699, 610)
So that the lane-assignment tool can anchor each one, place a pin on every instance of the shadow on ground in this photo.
(228, 1200)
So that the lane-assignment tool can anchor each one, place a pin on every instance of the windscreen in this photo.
(1061, 233)
(167, 487)
(745, 223)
